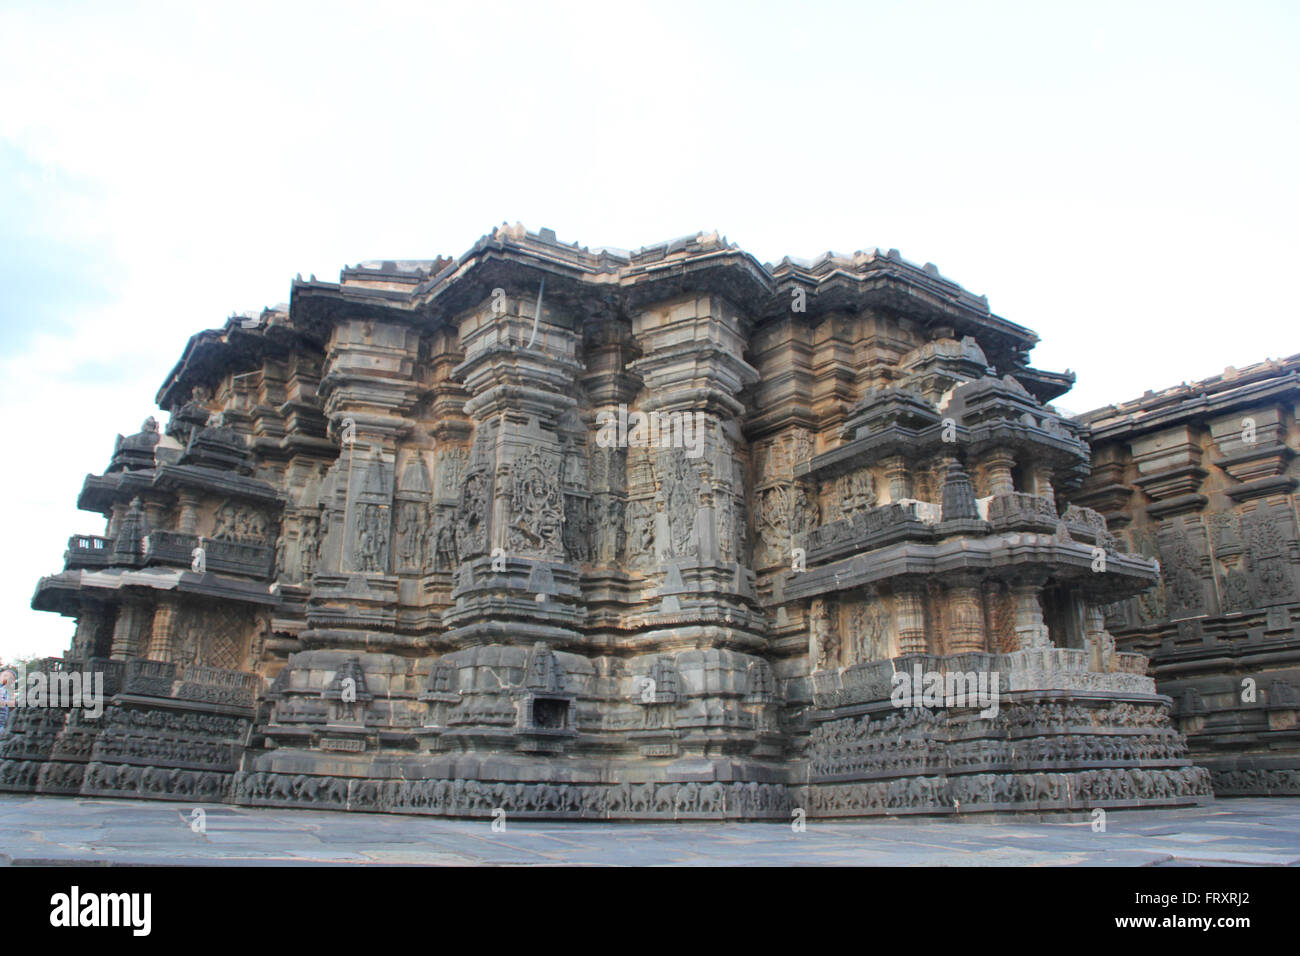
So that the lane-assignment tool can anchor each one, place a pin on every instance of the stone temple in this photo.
(1202, 477)
(668, 534)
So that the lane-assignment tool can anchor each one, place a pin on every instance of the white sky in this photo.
(1121, 178)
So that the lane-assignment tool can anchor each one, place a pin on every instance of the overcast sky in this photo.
(1120, 178)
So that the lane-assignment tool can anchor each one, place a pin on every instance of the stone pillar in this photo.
(83, 641)
(164, 628)
(997, 467)
(909, 610)
(529, 447)
(1043, 483)
(611, 390)
(957, 495)
(371, 385)
(693, 369)
(127, 632)
(1031, 630)
(900, 481)
(189, 516)
(966, 619)
(1098, 640)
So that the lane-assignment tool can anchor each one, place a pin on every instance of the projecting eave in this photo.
(317, 306)
(1044, 386)
(518, 272)
(735, 275)
(839, 282)
(1003, 556)
(589, 282)
(100, 492)
(64, 592)
(1274, 380)
(212, 354)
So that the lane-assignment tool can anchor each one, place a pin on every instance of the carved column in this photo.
(132, 619)
(998, 465)
(909, 610)
(900, 480)
(1043, 483)
(189, 516)
(88, 622)
(1098, 640)
(693, 369)
(370, 387)
(966, 619)
(608, 350)
(1031, 630)
(164, 629)
(528, 439)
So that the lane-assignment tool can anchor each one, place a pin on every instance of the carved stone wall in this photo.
(1202, 476)
(602, 535)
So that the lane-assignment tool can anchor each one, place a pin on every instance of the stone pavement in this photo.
(80, 830)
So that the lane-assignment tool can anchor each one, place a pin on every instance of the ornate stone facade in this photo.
(1202, 477)
(607, 535)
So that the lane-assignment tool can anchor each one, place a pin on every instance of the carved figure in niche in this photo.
(783, 513)
(1180, 569)
(804, 516)
(726, 517)
(445, 555)
(855, 492)
(239, 524)
(740, 530)
(680, 491)
(223, 528)
(774, 523)
(324, 531)
(442, 678)
(410, 536)
(1269, 556)
(471, 519)
(371, 550)
(1236, 584)
(537, 512)
(544, 670)
(826, 641)
(577, 528)
(364, 545)
(611, 533)
(869, 632)
(640, 533)
(308, 543)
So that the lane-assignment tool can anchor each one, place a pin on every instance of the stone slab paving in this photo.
(80, 830)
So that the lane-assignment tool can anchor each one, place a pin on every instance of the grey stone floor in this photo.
(78, 830)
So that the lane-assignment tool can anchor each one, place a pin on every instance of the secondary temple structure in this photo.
(669, 534)
(1202, 477)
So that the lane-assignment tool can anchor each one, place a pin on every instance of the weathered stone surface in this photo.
(600, 535)
(1201, 477)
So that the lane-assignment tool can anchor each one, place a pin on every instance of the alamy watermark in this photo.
(83, 689)
(952, 689)
(626, 429)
